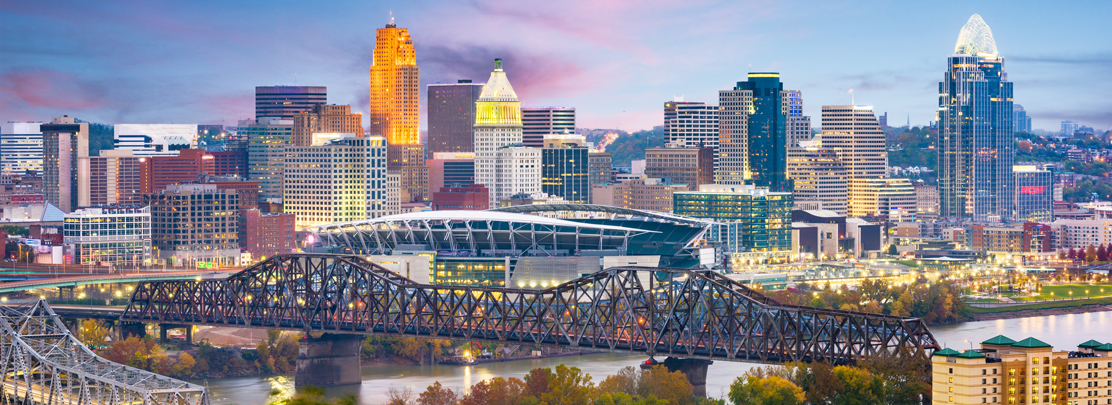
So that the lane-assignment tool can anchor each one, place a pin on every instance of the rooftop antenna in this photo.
(391, 17)
(851, 102)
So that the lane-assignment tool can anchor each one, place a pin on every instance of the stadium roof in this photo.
(478, 216)
(530, 208)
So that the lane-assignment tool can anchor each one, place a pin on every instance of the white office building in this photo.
(502, 163)
(20, 147)
(343, 181)
(118, 236)
(155, 139)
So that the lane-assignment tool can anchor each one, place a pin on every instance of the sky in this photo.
(616, 62)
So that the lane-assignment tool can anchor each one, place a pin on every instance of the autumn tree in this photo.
(537, 382)
(569, 386)
(498, 390)
(92, 333)
(399, 396)
(436, 394)
(184, 366)
(765, 391)
(671, 386)
(310, 396)
(1102, 253)
(1091, 254)
(859, 387)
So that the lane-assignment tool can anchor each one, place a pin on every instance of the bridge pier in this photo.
(163, 328)
(694, 369)
(121, 330)
(331, 359)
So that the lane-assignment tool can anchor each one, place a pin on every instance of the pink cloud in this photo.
(48, 89)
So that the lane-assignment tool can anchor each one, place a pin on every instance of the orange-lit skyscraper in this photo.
(394, 109)
(394, 104)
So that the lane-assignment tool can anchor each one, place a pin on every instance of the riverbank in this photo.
(1043, 309)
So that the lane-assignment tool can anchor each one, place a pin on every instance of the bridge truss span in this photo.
(42, 363)
(656, 311)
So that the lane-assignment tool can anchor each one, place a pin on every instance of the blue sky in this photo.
(617, 62)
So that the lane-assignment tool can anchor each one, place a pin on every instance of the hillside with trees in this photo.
(632, 146)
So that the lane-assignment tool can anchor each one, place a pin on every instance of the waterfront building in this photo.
(64, 142)
(601, 167)
(188, 166)
(451, 169)
(691, 166)
(755, 222)
(691, 124)
(285, 102)
(564, 168)
(753, 133)
(20, 147)
(325, 121)
(451, 117)
(1080, 233)
(394, 106)
(1029, 371)
(644, 194)
(1017, 238)
(155, 139)
(345, 180)
(538, 122)
(471, 197)
(502, 164)
(266, 234)
(113, 178)
(193, 224)
(1034, 194)
(819, 176)
(976, 147)
(817, 230)
(112, 235)
(267, 141)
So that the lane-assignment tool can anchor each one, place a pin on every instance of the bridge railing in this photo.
(651, 310)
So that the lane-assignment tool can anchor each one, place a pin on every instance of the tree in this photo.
(92, 333)
(184, 366)
(569, 386)
(399, 396)
(671, 386)
(1091, 254)
(892, 250)
(537, 381)
(1102, 253)
(823, 383)
(1061, 254)
(765, 391)
(498, 390)
(1072, 253)
(860, 387)
(311, 396)
(625, 381)
(436, 394)
(407, 347)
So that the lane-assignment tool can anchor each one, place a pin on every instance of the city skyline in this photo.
(612, 62)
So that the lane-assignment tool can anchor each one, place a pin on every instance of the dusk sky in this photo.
(616, 62)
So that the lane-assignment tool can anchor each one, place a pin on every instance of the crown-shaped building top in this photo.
(498, 86)
(975, 38)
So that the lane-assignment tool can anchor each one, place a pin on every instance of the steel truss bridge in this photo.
(42, 363)
(656, 311)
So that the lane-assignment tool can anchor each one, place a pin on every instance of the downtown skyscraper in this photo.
(976, 140)
(502, 163)
(395, 110)
(753, 133)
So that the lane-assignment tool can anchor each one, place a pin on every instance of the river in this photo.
(1062, 331)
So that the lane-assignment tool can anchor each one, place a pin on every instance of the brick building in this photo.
(264, 235)
(474, 197)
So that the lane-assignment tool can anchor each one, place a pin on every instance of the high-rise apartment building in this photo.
(451, 116)
(976, 147)
(64, 141)
(691, 166)
(285, 102)
(501, 164)
(753, 133)
(538, 122)
(564, 171)
(692, 124)
(20, 147)
(394, 106)
(447, 169)
(799, 125)
(194, 223)
(328, 120)
(854, 134)
(339, 182)
(113, 178)
(1021, 122)
(155, 139)
(884, 198)
(601, 166)
(819, 176)
(1034, 194)
(267, 141)
(1069, 127)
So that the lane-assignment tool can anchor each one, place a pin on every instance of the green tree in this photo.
(859, 387)
(1091, 254)
(310, 396)
(765, 391)
(892, 250)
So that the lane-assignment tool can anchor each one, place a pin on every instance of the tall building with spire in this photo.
(502, 163)
(395, 107)
(976, 139)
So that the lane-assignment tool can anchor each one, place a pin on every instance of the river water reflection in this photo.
(1062, 331)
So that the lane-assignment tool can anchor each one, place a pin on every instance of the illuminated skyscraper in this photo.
(753, 132)
(64, 141)
(502, 164)
(394, 109)
(976, 140)
(691, 124)
(394, 105)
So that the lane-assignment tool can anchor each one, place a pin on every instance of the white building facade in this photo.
(339, 182)
(109, 236)
(20, 147)
(155, 139)
(502, 163)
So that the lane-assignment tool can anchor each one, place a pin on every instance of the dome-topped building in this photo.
(975, 38)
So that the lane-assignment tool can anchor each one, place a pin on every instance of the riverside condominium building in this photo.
(1004, 371)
